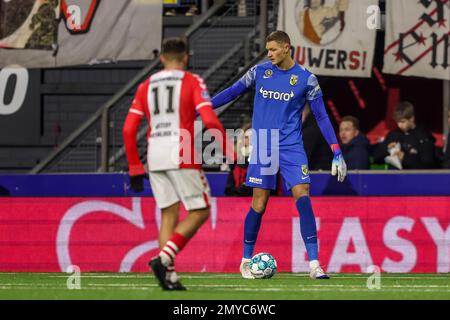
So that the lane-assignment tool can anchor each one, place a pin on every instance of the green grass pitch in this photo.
(224, 286)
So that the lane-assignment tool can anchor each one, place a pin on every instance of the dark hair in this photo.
(404, 110)
(279, 36)
(174, 48)
(353, 120)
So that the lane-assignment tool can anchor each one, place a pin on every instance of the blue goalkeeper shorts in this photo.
(292, 164)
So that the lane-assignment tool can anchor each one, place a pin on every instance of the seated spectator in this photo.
(173, 9)
(236, 180)
(235, 185)
(170, 12)
(446, 160)
(409, 146)
(317, 149)
(354, 145)
(192, 11)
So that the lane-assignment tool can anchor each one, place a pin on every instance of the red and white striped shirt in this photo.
(169, 100)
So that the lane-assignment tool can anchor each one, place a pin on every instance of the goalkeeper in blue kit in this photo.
(282, 88)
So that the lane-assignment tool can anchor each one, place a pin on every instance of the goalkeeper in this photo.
(282, 89)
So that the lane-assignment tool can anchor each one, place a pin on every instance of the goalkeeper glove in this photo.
(338, 166)
(137, 183)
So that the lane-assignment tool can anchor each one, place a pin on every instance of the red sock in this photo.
(175, 244)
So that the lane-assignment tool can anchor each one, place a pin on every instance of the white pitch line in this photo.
(334, 290)
(44, 285)
(107, 277)
(239, 289)
(82, 289)
(307, 277)
(231, 274)
(361, 276)
(233, 286)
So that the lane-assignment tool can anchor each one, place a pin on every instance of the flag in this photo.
(417, 41)
(90, 31)
(330, 37)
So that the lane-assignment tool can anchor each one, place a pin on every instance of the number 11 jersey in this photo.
(169, 100)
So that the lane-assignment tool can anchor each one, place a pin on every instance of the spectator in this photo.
(446, 160)
(170, 12)
(171, 9)
(193, 10)
(238, 172)
(409, 146)
(235, 185)
(317, 149)
(354, 145)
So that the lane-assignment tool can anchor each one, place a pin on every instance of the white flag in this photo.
(91, 31)
(418, 38)
(330, 37)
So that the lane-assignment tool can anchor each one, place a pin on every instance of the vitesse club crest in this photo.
(268, 73)
(293, 80)
(305, 170)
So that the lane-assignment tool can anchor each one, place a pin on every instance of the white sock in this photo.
(314, 264)
(168, 253)
(171, 275)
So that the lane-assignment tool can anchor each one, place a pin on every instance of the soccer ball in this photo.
(263, 265)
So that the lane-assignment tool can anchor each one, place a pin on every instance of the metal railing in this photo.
(215, 71)
(241, 56)
(83, 144)
(89, 147)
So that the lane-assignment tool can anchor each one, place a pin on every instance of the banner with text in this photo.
(331, 37)
(398, 234)
(95, 31)
(417, 40)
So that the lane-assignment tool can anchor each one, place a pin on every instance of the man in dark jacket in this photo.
(317, 149)
(235, 185)
(411, 146)
(354, 145)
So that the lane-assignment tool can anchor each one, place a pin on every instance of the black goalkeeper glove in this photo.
(137, 183)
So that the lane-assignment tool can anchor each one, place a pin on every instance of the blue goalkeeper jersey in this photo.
(280, 98)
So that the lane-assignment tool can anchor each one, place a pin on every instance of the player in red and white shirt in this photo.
(169, 100)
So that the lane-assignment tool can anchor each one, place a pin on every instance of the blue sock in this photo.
(251, 229)
(308, 228)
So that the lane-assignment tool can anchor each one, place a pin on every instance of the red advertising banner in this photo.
(398, 234)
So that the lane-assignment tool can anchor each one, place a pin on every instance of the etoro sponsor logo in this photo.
(275, 95)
